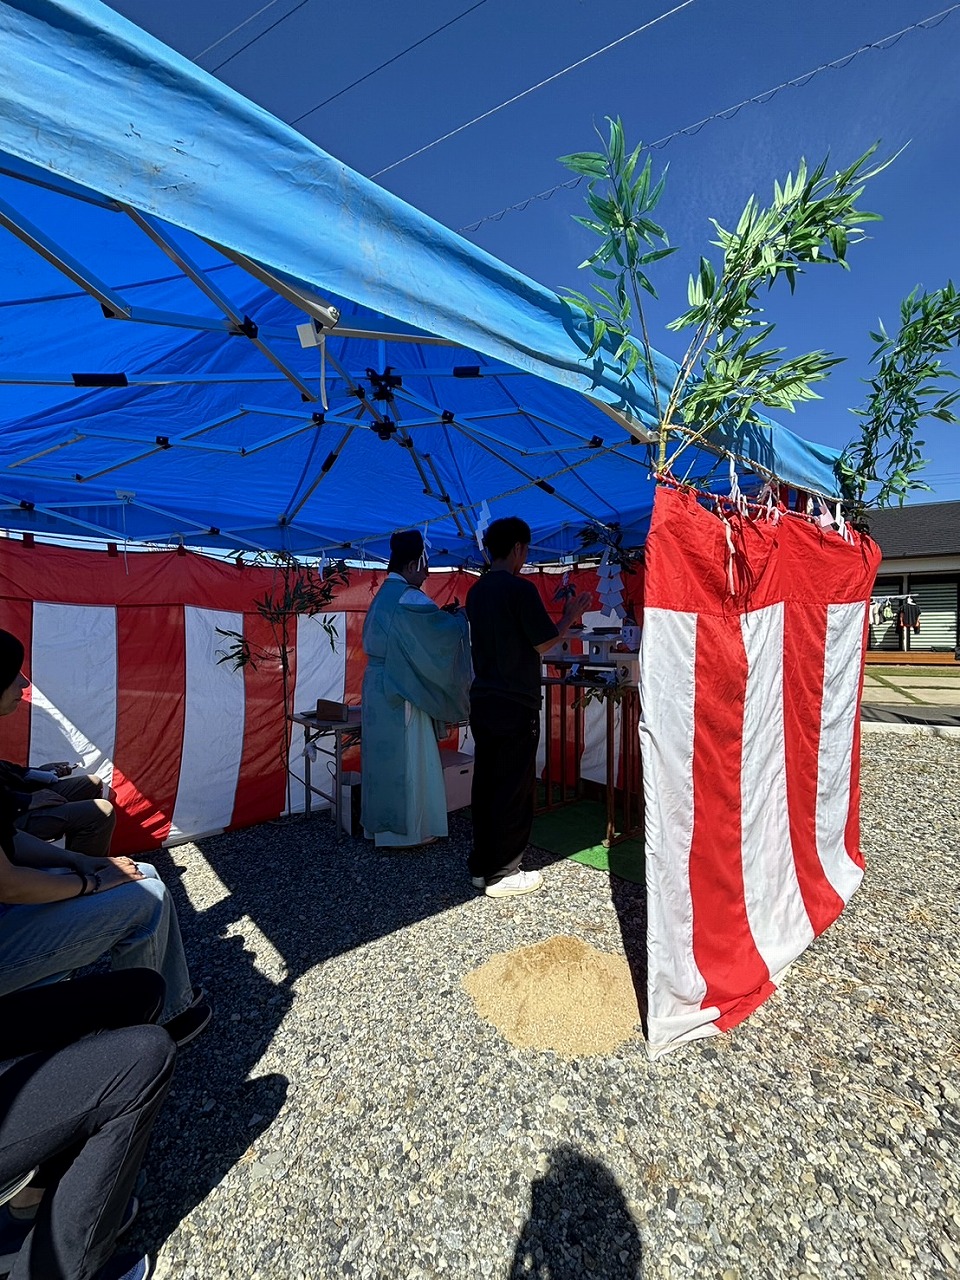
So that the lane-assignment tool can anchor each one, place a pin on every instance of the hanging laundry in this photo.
(909, 617)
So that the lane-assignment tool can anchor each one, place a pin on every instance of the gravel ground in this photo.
(349, 1115)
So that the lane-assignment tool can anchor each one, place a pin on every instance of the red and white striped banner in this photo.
(750, 741)
(123, 655)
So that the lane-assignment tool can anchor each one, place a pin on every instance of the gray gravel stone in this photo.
(347, 1114)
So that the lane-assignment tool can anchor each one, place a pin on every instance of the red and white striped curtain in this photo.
(751, 673)
(123, 656)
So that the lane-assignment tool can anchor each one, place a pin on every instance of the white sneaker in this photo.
(513, 886)
(478, 882)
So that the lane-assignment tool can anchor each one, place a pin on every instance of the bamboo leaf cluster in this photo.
(730, 369)
(621, 197)
(299, 589)
(911, 383)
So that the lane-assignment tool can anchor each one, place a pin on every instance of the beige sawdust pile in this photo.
(561, 994)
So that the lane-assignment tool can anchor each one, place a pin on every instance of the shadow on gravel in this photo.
(630, 903)
(578, 1225)
(215, 1111)
(314, 895)
(311, 896)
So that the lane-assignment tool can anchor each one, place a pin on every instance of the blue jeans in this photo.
(136, 923)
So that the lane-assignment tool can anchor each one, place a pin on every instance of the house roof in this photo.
(927, 529)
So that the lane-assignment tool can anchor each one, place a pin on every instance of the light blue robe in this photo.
(418, 669)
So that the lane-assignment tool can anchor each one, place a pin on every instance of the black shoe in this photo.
(187, 1026)
(127, 1266)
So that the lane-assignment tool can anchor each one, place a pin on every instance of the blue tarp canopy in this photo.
(211, 330)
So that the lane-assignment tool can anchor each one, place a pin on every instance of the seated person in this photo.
(54, 803)
(61, 910)
(80, 1106)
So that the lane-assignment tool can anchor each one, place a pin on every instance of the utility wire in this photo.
(233, 30)
(395, 58)
(265, 31)
(533, 88)
(759, 99)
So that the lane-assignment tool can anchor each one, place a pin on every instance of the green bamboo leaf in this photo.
(605, 209)
(653, 198)
(640, 191)
(589, 163)
(599, 333)
(656, 254)
(649, 228)
(616, 144)
(631, 163)
(596, 227)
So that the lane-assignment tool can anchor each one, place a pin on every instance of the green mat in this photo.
(576, 831)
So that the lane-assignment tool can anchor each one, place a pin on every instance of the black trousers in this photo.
(82, 1078)
(506, 735)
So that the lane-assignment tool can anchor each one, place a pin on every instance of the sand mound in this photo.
(561, 994)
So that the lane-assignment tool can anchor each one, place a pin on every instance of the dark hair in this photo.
(406, 545)
(504, 534)
(11, 659)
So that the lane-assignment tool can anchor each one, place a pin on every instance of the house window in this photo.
(883, 632)
(938, 601)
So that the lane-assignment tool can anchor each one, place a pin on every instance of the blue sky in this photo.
(701, 60)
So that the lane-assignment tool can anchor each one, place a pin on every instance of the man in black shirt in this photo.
(509, 630)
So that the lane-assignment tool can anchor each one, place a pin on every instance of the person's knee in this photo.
(143, 1055)
(105, 811)
(78, 787)
(136, 995)
(142, 903)
(148, 1042)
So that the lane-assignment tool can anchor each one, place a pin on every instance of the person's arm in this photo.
(573, 612)
(59, 768)
(26, 884)
(42, 777)
(18, 778)
(22, 885)
(36, 853)
(40, 855)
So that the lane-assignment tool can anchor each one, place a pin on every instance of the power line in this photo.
(233, 30)
(395, 58)
(533, 88)
(759, 99)
(266, 31)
